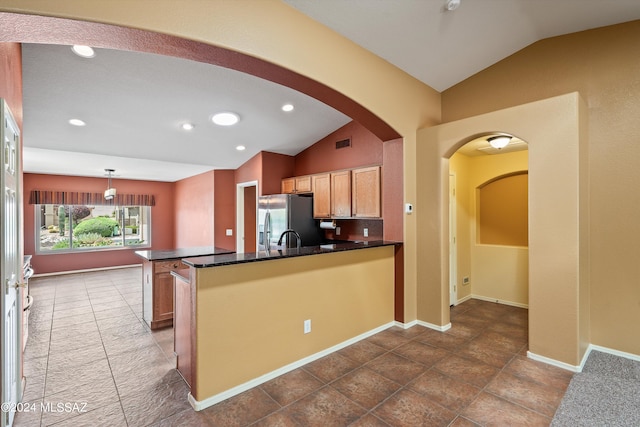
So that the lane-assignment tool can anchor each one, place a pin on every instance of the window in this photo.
(67, 228)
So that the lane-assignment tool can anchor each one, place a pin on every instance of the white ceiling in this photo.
(134, 103)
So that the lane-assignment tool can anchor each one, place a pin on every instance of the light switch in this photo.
(229, 232)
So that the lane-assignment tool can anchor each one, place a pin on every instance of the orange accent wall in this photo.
(274, 168)
(392, 184)
(268, 169)
(162, 221)
(194, 210)
(365, 150)
(11, 78)
(224, 195)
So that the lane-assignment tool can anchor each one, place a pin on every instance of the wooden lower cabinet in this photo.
(183, 327)
(157, 291)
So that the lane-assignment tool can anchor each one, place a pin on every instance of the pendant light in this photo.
(110, 192)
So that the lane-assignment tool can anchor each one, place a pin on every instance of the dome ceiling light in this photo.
(77, 122)
(225, 119)
(83, 51)
(499, 142)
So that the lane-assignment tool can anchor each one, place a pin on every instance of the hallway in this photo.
(89, 345)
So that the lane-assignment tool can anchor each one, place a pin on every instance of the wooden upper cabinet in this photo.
(288, 186)
(366, 192)
(321, 195)
(303, 184)
(296, 184)
(341, 194)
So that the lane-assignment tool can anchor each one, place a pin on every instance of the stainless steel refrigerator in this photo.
(280, 212)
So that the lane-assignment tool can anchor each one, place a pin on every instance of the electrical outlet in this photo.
(307, 326)
(465, 280)
(366, 232)
(337, 231)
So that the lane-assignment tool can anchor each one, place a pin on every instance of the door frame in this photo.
(6, 418)
(240, 213)
(453, 244)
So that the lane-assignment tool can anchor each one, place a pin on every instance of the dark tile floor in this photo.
(88, 344)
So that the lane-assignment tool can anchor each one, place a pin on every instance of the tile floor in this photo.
(88, 344)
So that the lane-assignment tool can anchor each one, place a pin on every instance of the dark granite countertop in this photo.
(165, 254)
(235, 258)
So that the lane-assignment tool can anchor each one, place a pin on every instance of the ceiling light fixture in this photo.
(110, 192)
(452, 4)
(241, 148)
(225, 119)
(187, 126)
(499, 142)
(287, 107)
(77, 122)
(83, 51)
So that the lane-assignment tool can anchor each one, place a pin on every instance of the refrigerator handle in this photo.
(267, 231)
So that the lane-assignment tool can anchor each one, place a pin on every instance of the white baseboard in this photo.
(630, 356)
(580, 367)
(436, 327)
(500, 301)
(199, 405)
(88, 270)
(553, 362)
(461, 300)
(405, 325)
(425, 324)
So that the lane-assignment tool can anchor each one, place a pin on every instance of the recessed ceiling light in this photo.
(225, 119)
(83, 51)
(287, 107)
(77, 122)
(241, 148)
(187, 126)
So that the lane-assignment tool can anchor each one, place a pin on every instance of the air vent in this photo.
(343, 144)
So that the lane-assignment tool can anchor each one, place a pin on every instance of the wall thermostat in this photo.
(408, 208)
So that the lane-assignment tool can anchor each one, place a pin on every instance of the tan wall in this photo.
(601, 64)
(557, 279)
(259, 308)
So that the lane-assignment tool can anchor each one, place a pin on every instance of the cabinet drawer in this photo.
(166, 266)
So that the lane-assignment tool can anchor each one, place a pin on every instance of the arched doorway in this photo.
(558, 257)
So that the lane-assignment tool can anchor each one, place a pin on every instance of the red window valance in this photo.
(39, 197)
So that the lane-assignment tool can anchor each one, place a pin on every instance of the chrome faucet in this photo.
(285, 232)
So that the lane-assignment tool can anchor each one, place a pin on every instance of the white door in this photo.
(453, 247)
(11, 264)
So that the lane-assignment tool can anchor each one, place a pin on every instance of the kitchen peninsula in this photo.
(242, 319)
(157, 283)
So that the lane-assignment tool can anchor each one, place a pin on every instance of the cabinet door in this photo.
(303, 184)
(321, 195)
(341, 194)
(366, 192)
(163, 296)
(288, 186)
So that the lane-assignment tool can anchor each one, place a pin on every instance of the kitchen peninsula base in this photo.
(248, 311)
(157, 282)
